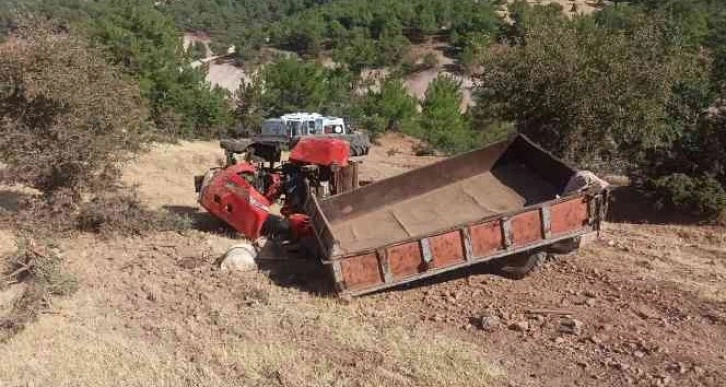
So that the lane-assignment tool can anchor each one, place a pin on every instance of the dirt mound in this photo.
(225, 74)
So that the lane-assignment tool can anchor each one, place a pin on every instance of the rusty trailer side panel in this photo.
(479, 242)
(507, 199)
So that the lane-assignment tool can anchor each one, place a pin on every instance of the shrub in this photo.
(702, 196)
(67, 118)
(430, 61)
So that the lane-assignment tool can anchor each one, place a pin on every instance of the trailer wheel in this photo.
(521, 265)
(565, 247)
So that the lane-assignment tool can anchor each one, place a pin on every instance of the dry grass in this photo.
(121, 213)
(85, 346)
(165, 174)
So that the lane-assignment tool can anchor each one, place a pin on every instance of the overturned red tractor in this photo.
(242, 194)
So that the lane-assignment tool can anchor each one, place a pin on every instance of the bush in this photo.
(702, 196)
(67, 118)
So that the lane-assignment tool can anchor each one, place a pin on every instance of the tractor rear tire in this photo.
(521, 265)
(359, 145)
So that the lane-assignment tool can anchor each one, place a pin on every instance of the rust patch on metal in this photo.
(486, 238)
(361, 271)
(447, 249)
(527, 228)
(568, 216)
(405, 260)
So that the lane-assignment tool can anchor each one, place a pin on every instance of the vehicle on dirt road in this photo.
(284, 132)
(510, 203)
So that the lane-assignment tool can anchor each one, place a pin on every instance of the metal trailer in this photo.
(498, 202)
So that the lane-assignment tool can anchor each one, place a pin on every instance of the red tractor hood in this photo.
(321, 151)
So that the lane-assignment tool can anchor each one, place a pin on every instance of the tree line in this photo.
(635, 88)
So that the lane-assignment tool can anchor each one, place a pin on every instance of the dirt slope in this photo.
(646, 305)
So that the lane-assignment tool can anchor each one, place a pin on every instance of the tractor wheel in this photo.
(355, 150)
(521, 265)
(358, 145)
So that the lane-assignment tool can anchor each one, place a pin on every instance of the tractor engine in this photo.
(243, 193)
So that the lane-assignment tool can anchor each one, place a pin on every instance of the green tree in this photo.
(357, 52)
(197, 50)
(391, 107)
(592, 95)
(716, 42)
(146, 44)
(290, 85)
(441, 123)
(249, 111)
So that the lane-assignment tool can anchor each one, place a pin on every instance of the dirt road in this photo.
(646, 305)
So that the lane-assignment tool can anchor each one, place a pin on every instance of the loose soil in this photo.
(643, 305)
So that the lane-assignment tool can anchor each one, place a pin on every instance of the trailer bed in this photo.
(497, 201)
(474, 198)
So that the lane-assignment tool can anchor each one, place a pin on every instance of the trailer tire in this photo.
(521, 265)
(565, 247)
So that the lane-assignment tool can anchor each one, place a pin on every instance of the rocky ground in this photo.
(644, 305)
